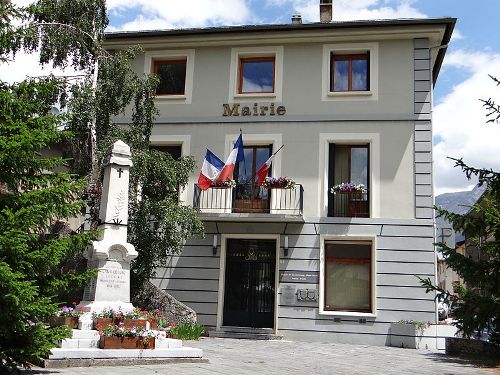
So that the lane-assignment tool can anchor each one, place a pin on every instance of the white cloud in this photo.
(459, 121)
(161, 14)
(345, 10)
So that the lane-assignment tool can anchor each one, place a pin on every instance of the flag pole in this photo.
(274, 154)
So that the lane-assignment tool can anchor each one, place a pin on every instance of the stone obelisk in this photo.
(111, 254)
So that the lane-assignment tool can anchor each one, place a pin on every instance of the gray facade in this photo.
(393, 119)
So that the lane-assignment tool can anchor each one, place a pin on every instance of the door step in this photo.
(245, 333)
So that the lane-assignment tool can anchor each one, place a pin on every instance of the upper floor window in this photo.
(256, 72)
(256, 75)
(175, 70)
(172, 75)
(175, 151)
(349, 165)
(350, 72)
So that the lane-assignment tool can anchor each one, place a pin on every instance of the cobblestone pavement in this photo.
(230, 356)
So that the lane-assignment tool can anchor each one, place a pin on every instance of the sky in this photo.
(460, 128)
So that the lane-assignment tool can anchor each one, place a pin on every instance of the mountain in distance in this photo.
(460, 203)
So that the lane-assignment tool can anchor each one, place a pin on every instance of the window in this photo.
(350, 72)
(248, 196)
(256, 75)
(175, 151)
(347, 284)
(256, 72)
(172, 74)
(349, 164)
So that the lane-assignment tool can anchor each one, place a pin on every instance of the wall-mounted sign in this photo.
(311, 277)
(236, 109)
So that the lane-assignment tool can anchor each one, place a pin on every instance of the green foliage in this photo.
(61, 30)
(32, 198)
(188, 331)
(478, 300)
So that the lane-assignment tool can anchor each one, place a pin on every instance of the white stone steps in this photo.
(78, 343)
(184, 352)
(85, 334)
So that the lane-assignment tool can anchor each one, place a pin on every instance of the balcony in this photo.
(350, 204)
(245, 202)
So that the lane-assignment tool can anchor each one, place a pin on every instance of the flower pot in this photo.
(103, 322)
(70, 321)
(114, 342)
(134, 323)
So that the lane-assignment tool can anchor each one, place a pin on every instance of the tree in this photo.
(32, 194)
(478, 300)
(32, 198)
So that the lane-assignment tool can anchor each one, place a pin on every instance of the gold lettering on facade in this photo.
(256, 110)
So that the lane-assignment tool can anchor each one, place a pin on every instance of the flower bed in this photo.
(119, 337)
(70, 321)
(115, 342)
(66, 316)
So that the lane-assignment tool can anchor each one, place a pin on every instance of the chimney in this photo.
(296, 19)
(325, 10)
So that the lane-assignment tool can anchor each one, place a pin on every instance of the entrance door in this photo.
(249, 283)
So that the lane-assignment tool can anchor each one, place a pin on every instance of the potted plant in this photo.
(135, 319)
(154, 317)
(278, 183)
(107, 317)
(408, 333)
(66, 315)
(348, 187)
(118, 337)
(167, 329)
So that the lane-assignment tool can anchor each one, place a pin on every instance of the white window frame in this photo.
(347, 238)
(188, 54)
(268, 51)
(175, 140)
(373, 139)
(351, 48)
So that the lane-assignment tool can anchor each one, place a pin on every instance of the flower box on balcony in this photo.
(115, 342)
(278, 183)
(70, 321)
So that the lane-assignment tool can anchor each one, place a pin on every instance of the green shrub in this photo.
(188, 331)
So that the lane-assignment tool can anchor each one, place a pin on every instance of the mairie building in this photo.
(331, 252)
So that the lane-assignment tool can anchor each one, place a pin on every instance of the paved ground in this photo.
(230, 356)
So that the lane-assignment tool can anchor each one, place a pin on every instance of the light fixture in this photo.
(214, 245)
(285, 246)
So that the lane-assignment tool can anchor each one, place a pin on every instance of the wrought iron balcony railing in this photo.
(350, 204)
(278, 201)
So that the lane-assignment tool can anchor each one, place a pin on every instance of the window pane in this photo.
(175, 151)
(348, 286)
(359, 165)
(341, 75)
(347, 279)
(172, 76)
(360, 74)
(257, 76)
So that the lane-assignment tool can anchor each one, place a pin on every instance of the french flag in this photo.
(235, 156)
(210, 170)
(263, 170)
